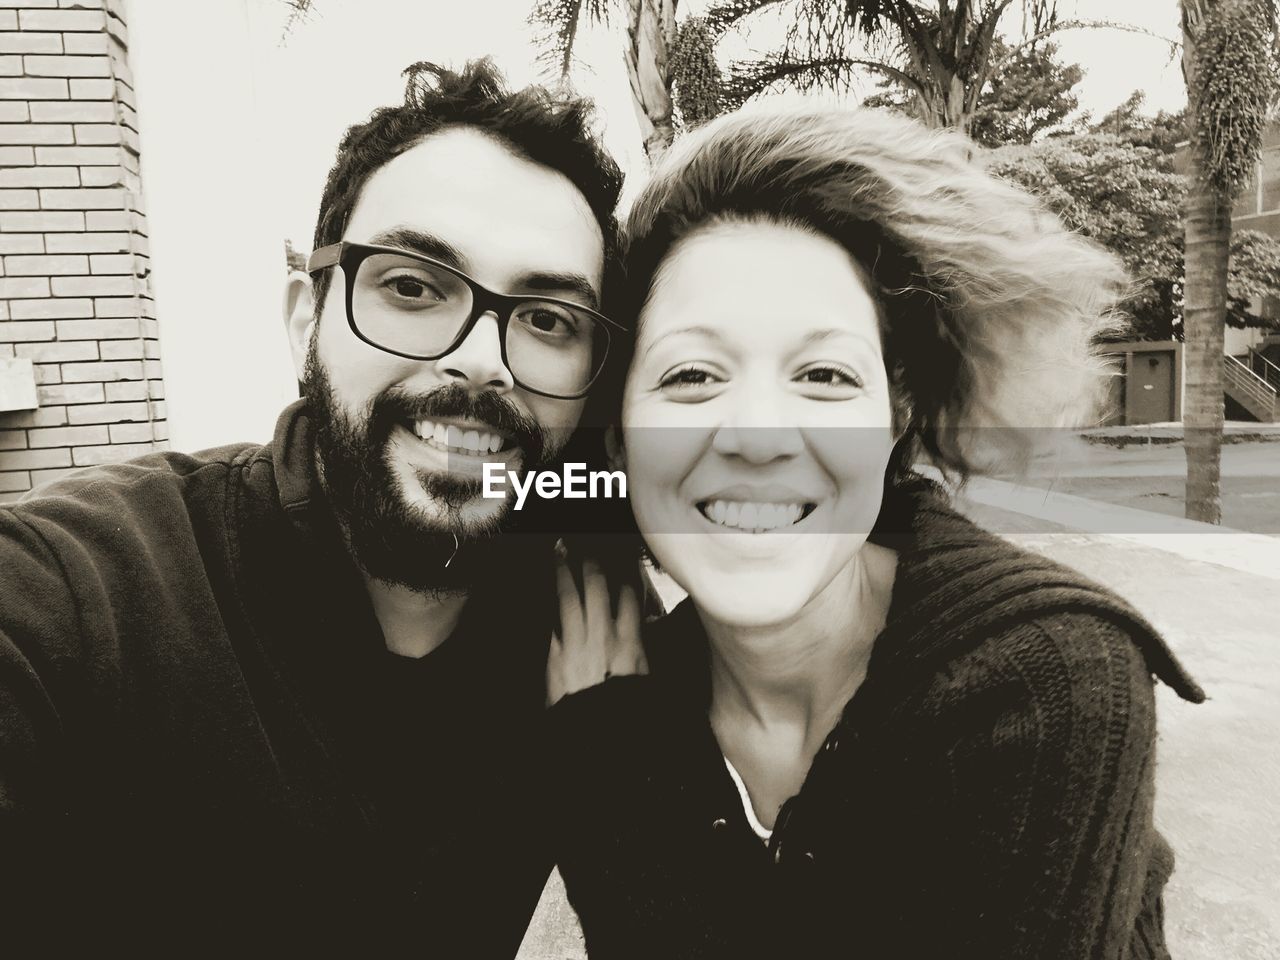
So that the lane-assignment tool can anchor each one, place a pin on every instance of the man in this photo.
(290, 687)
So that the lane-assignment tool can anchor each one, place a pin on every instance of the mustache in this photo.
(457, 402)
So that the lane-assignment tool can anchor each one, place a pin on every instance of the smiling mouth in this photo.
(754, 517)
(460, 441)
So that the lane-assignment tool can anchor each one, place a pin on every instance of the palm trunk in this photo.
(1208, 245)
(651, 34)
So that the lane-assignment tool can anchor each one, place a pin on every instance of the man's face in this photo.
(402, 490)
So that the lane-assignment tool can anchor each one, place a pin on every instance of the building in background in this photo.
(1253, 370)
(77, 319)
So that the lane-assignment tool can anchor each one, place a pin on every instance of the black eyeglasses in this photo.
(419, 308)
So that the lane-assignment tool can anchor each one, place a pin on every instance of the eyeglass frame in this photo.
(350, 255)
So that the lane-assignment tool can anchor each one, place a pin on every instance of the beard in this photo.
(390, 538)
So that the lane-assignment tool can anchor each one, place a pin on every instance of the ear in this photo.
(299, 317)
(614, 450)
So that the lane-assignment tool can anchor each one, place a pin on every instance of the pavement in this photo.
(1214, 593)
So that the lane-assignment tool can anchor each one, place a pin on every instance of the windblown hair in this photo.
(989, 307)
(543, 127)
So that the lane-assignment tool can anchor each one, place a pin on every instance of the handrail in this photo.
(1254, 354)
(1258, 390)
(1233, 363)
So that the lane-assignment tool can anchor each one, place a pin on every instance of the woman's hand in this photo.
(593, 643)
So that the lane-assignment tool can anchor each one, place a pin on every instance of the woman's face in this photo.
(757, 419)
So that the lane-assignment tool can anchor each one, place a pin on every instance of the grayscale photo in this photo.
(646, 480)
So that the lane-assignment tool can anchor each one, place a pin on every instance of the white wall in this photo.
(209, 182)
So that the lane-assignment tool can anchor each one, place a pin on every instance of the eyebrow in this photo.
(539, 281)
(815, 336)
(426, 244)
(696, 329)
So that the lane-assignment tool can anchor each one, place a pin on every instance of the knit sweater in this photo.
(203, 737)
(986, 794)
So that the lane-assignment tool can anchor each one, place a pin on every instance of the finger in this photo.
(627, 653)
(571, 626)
(556, 687)
(595, 601)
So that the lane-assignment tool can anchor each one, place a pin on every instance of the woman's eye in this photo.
(687, 377)
(829, 375)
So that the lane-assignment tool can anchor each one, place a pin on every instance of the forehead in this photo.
(732, 273)
(507, 215)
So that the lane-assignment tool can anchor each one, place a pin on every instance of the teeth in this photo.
(752, 516)
(457, 439)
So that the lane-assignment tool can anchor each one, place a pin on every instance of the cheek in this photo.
(559, 417)
(658, 460)
(357, 371)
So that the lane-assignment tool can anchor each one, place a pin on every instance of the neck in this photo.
(413, 623)
(802, 672)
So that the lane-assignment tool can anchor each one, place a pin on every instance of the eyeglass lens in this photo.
(416, 308)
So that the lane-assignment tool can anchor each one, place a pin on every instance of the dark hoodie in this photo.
(206, 746)
(986, 794)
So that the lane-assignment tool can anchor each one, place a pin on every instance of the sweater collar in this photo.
(955, 584)
(956, 580)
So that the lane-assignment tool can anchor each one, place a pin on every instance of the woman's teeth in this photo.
(456, 440)
(753, 517)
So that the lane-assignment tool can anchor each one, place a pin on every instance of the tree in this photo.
(941, 54)
(1229, 66)
(1125, 194)
(656, 49)
(1028, 95)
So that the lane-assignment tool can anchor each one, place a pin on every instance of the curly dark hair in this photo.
(544, 127)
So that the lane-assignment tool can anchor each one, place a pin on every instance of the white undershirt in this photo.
(758, 828)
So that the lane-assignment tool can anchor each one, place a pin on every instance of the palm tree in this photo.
(1229, 66)
(940, 53)
(667, 64)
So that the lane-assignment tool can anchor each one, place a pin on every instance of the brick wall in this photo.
(74, 289)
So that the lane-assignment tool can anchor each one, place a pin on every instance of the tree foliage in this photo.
(1123, 192)
(695, 72)
(1232, 90)
(1030, 94)
(940, 55)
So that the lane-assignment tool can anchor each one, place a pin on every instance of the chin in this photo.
(745, 600)
(458, 512)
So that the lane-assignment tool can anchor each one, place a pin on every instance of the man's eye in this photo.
(409, 287)
(548, 320)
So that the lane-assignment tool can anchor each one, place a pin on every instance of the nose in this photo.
(477, 361)
(754, 431)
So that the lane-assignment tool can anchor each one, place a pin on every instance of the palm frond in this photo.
(559, 22)
(728, 14)
(749, 78)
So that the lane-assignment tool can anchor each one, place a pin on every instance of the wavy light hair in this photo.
(989, 306)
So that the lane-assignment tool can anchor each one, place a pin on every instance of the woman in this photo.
(873, 729)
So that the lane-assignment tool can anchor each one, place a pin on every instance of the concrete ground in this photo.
(1152, 478)
(1215, 595)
